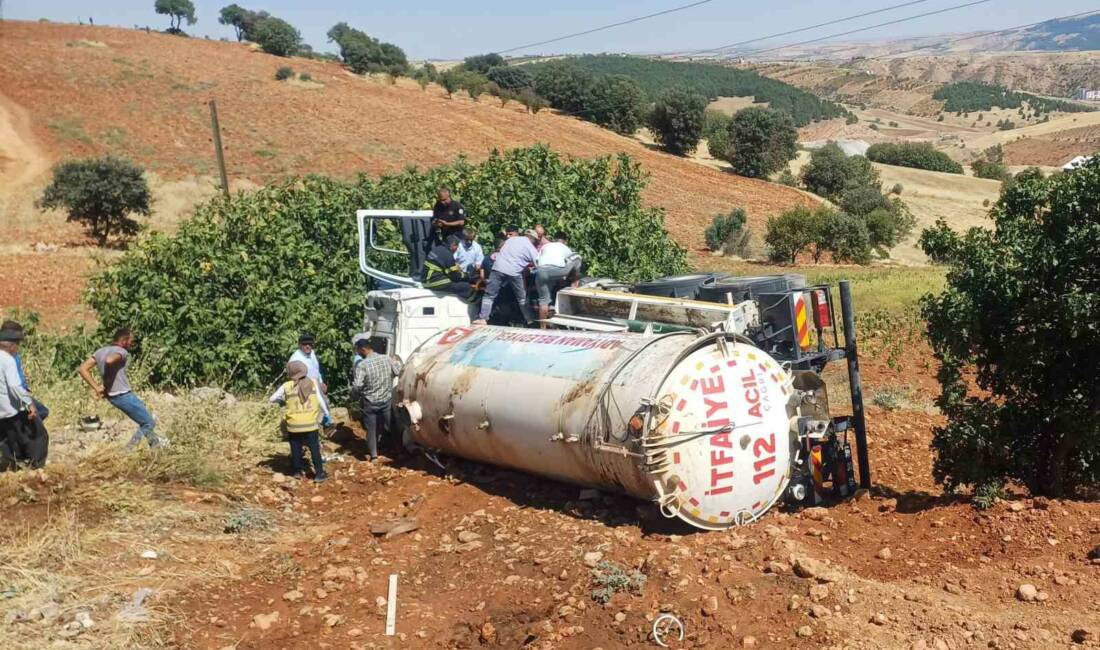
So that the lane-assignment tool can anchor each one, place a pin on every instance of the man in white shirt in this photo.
(469, 255)
(557, 265)
(306, 354)
(17, 408)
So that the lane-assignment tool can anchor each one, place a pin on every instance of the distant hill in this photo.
(1070, 35)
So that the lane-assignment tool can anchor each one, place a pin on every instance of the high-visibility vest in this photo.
(437, 276)
(301, 417)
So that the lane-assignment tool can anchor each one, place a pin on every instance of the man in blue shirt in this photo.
(469, 255)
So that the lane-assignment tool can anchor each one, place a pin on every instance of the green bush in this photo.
(791, 233)
(617, 104)
(830, 172)
(846, 237)
(727, 233)
(1016, 335)
(677, 120)
(510, 78)
(284, 73)
(887, 226)
(897, 189)
(861, 200)
(761, 141)
(305, 76)
(276, 36)
(101, 193)
(482, 63)
(716, 131)
(223, 300)
(919, 155)
(787, 178)
(363, 53)
(992, 170)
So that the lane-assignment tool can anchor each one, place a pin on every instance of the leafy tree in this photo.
(716, 131)
(234, 15)
(991, 170)
(677, 120)
(532, 100)
(830, 172)
(101, 192)
(566, 86)
(450, 81)
(846, 237)
(919, 155)
(276, 36)
(762, 141)
(363, 53)
(177, 11)
(223, 299)
(861, 200)
(510, 78)
(886, 227)
(1018, 340)
(792, 232)
(482, 63)
(617, 104)
(727, 233)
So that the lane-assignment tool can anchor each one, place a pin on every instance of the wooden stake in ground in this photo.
(391, 607)
(218, 146)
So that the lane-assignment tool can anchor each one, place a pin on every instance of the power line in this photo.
(864, 29)
(806, 29)
(603, 27)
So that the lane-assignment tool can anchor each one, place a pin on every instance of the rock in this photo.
(393, 527)
(888, 505)
(265, 621)
(805, 632)
(862, 494)
(332, 620)
(819, 593)
(206, 393)
(469, 546)
(953, 588)
(227, 401)
(750, 641)
(317, 499)
(884, 554)
(354, 632)
(149, 555)
(620, 617)
(879, 619)
(467, 536)
(710, 606)
(293, 596)
(1063, 580)
(1082, 636)
(278, 478)
(778, 568)
(85, 620)
(566, 610)
(1027, 593)
(815, 513)
(488, 633)
(1017, 506)
(820, 611)
(592, 558)
(805, 567)
(512, 579)
(340, 414)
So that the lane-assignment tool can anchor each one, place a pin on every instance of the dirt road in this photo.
(22, 160)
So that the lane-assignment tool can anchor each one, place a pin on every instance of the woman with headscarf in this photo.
(304, 409)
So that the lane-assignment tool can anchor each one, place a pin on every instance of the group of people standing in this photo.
(457, 264)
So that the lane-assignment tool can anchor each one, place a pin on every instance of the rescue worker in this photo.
(372, 385)
(558, 265)
(448, 216)
(516, 255)
(304, 409)
(442, 272)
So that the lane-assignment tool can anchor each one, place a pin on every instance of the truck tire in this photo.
(741, 289)
(677, 286)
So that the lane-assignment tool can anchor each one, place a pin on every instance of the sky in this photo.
(437, 29)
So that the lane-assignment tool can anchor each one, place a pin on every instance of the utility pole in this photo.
(218, 146)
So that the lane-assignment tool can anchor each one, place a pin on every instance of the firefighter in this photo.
(442, 273)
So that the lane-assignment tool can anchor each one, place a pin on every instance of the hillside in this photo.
(77, 90)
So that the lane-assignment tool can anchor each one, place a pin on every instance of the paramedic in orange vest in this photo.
(304, 410)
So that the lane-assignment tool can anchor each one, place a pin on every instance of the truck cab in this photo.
(399, 320)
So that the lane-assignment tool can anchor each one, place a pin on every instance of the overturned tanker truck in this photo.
(714, 408)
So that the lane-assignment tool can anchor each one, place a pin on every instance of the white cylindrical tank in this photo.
(699, 424)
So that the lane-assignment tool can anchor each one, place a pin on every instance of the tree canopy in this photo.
(761, 141)
(1017, 335)
(101, 193)
(363, 53)
(276, 36)
(677, 120)
(177, 11)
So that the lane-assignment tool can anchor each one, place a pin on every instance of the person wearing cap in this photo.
(304, 409)
(43, 412)
(557, 265)
(17, 410)
(448, 216)
(442, 272)
(373, 387)
(111, 361)
(308, 356)
(516, 255)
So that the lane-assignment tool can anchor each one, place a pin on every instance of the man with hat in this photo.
(111, 361)
(516, 255)
(17, 409)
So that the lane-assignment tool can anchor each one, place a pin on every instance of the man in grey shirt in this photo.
(515, 256)
(111, 362)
